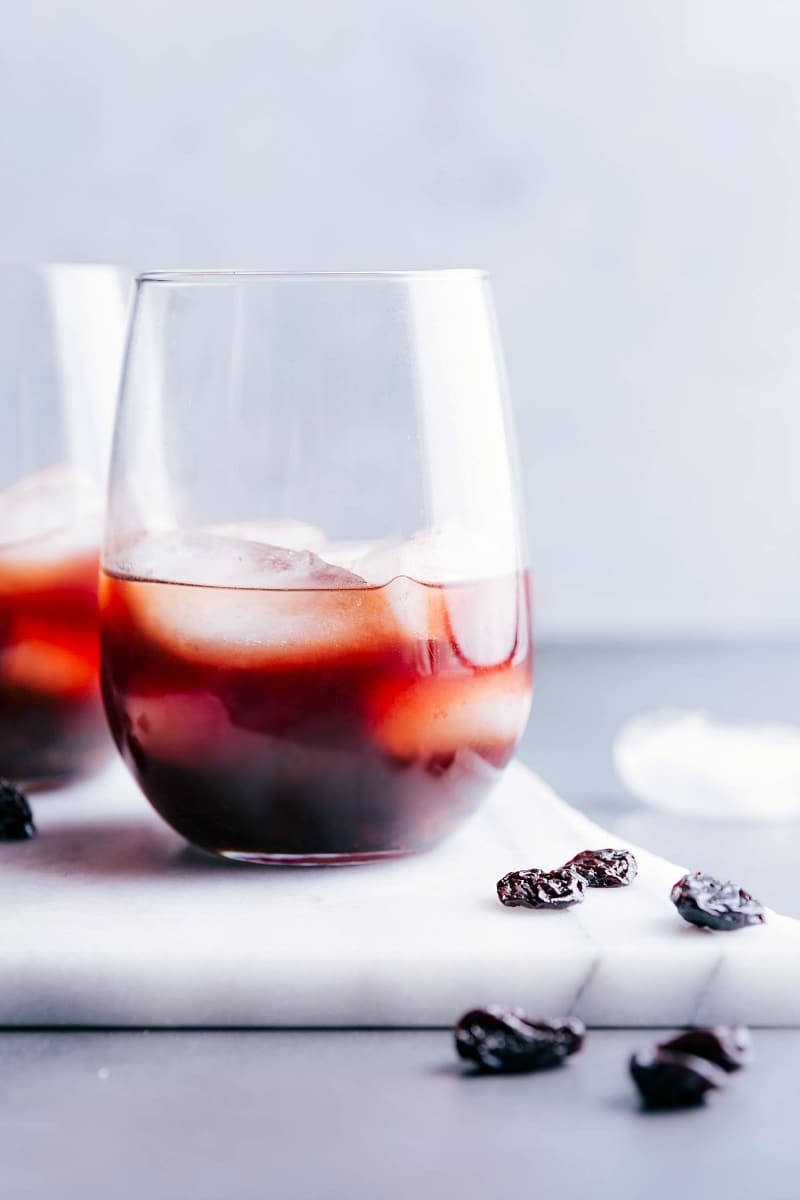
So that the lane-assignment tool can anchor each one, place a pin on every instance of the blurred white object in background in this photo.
(687, 763)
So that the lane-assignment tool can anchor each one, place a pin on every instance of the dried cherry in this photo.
(504, 1040)
(605, 868)
(727, 1046)
(708, 902)
(670, 1080)
(541, 889)
(16, 818)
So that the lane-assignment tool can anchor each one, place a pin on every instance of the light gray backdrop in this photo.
(629, 170)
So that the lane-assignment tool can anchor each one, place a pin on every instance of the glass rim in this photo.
(222, 274)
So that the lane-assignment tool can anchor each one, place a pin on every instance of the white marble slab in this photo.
(108, 919)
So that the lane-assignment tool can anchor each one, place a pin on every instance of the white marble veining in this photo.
(108, 919)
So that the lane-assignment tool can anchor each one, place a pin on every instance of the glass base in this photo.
(62, 776)
(38, 784)
(41, 784)
(315, 860)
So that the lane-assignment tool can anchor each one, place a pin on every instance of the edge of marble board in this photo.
(612, 979)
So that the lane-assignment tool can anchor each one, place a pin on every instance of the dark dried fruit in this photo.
(541, 889)
(16, 818)
(728, 1046)
(605, 868)
(505, 1040)
(667, 1080)
(705, 901)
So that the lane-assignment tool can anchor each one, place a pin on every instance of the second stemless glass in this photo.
(315, 605)
(62, 329)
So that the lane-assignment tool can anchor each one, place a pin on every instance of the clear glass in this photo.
(315, 605)
(62, 331)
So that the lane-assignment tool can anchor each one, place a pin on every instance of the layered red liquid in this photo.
(314, 725)
(52, 725)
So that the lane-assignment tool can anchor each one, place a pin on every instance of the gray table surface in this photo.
(191, 1114)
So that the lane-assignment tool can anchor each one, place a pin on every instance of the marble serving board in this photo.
(107, 918)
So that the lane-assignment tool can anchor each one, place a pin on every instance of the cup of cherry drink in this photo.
(276, 704)
(281, 691)
(59, 359)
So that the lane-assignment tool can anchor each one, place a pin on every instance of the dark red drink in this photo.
(51, 717)
(316, 725)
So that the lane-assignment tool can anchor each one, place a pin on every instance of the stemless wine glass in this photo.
(62, 331)
(316, 638)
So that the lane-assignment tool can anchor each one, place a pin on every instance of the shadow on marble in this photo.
(120, 848)
(135, 848)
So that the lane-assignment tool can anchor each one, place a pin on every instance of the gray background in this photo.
(627, 169)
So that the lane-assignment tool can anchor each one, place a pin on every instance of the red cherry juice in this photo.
(321, 725)
(52, 726)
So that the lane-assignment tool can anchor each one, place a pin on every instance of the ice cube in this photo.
(432, 590)
(447, 553)
(50, 528)
(418, 609)
(250, 627)
(293, 535)
(47, 564)
(385, 564)
(442, 714)
(40, 666)
(188, 727)
(348, 554)
(195, 730)
(213, 560)
(252, 603)
(52, 501)
(487, 622)
(384, 561)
